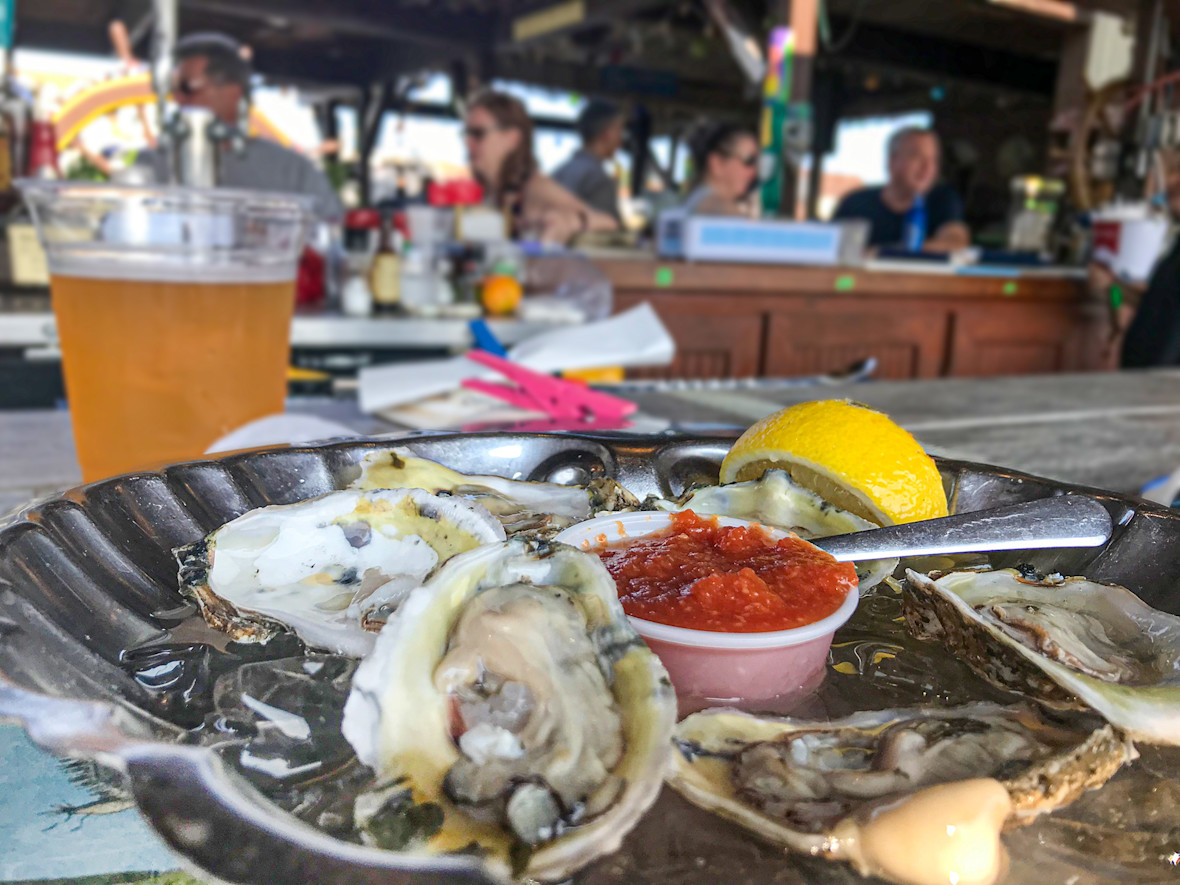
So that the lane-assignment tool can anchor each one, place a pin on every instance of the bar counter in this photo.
(744, 320)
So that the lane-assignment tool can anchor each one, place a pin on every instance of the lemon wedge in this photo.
(849, 455)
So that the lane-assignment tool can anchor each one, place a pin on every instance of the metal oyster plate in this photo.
(88, 574)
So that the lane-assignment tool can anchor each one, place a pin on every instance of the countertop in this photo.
(908, 279)
(1113, 430)
(26, 321)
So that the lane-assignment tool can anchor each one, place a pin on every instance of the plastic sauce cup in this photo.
(753, 670)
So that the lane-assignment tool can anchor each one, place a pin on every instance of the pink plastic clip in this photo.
(541, 393)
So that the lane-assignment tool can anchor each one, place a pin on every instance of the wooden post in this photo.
(815, 183)
(373, 106)
(802, 17)
(460, 82)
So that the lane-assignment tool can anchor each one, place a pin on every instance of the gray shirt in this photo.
(265, 165)
(584, 177)
(705, 201)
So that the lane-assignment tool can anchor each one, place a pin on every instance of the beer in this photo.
(155, 371)
(173, 309)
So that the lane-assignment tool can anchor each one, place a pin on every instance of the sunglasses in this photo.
(750, 162)
(479, 133)
(187, 88)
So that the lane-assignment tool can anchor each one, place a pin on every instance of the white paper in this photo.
(633, 338)
(456, 409)
(280, 429)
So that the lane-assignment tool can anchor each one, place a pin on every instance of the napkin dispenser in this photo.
(726, 238)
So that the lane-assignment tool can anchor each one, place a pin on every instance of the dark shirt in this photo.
(886, 227)
(583, 176)
(1154, 336)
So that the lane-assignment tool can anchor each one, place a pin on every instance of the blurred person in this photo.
(600, 125)
(1149, 313)
(212, 71)
(725, 167)
(914, 159)
(498, 134)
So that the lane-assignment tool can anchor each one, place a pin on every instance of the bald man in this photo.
(914, 157)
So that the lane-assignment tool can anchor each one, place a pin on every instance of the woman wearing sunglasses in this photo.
(725, 167)
(499, 138)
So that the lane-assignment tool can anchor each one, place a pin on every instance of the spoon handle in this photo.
(1062, 521)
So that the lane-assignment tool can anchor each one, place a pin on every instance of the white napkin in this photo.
(633, 338)
(281, 429)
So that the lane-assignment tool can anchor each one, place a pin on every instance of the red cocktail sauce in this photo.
(730, 579)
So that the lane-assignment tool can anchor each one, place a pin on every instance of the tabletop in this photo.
(60, 821)
(37, 329)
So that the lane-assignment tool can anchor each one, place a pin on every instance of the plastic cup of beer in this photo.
(173, 310)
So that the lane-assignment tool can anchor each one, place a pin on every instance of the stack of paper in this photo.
(634, 338)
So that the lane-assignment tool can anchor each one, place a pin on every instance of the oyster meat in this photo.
(1069, 642)
(774, 499)
(871, 787)
(328, 568)
(536, 509)
(510, 708)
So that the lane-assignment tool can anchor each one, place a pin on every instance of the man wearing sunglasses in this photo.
(912, 211)
(212, 71)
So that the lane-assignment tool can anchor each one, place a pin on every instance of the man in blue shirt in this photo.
(911, 197)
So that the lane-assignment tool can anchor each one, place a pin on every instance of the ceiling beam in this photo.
(303, 65)
(547, 19)
(60, 37)
(1057, 10)
(424, 26)
(661, 89)
(960, 61)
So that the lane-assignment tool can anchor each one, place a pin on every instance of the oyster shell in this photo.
(820, 787)
(1069, 642)
(510, 706)
(327, 568)
(538, 509)
(774, 499)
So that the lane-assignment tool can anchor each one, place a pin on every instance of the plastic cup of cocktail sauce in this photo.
(752, 670)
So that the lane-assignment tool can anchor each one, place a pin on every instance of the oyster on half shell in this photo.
(509, 708)
(536, 509)
(776, 500)
(1069, 642)
(328, 568)
(840, 789)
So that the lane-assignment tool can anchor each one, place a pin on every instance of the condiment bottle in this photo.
(42, 144)
(355, 298)
(418, 288)
(361, 231)
(384, 274)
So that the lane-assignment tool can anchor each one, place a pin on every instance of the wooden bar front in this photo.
(737, 320)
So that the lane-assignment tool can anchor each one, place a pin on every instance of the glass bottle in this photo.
(385, 273)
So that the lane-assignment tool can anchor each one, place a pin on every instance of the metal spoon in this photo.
(1062, 521)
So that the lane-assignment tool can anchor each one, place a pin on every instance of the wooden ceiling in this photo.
(664, 52)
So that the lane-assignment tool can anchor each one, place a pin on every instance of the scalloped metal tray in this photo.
(88, 574)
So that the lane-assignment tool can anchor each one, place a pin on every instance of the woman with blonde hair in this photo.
(498, 134)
